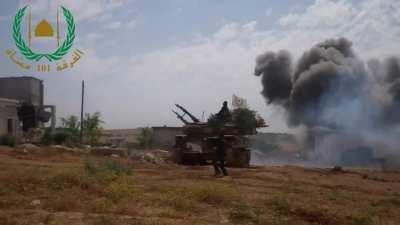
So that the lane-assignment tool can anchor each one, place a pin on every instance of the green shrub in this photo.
(90, 167)
(280, 204)
(108, 166)
(116, 167)
(107, 172)
(47, 138)
(120, 188)
(8, 140)
(60, 138)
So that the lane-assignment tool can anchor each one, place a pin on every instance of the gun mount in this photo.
(197, 144)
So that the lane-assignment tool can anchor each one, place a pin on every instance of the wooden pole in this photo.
(82, 104)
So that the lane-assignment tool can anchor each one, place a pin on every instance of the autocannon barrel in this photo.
(193, 118)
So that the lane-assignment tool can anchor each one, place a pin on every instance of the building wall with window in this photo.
(9, 122)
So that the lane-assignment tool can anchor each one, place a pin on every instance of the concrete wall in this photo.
(119, 137)
(28, 89)
(164, 137)
(9, 123)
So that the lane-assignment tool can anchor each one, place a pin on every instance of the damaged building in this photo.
(9, 122)
(22, 107)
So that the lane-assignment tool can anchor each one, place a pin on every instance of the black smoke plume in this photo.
(345, 104)
(331, 87)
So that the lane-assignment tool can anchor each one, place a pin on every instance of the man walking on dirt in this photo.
(219, 160)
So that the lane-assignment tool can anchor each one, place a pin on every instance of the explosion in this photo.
(331, 87)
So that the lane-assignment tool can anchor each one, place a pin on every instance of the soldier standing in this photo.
(224, 114)
(219, 160)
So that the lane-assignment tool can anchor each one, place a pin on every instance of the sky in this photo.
(143, 56)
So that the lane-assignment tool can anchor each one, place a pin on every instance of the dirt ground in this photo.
(55, 187)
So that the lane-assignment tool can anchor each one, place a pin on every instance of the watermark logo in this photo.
(44, 62)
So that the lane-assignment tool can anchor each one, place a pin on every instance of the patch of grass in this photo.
(178, 200)
(280, 204)
(388, 202)
(108, 166)
(315, 214)
(104, 220)
(170, 213)
(113, 177)
(362, 219)
(4, 189)
(116, 167)
(214, 193)
(121, 188)
(335, 195)
(25, 180)
(141, 221)
(244, 213)
(136, 221)
(241, 212)
(68, 179)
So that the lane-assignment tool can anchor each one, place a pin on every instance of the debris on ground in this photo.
(157, 156)
(107, 151)
(35, 202)
(25, 148)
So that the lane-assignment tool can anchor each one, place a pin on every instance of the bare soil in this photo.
(53, 187)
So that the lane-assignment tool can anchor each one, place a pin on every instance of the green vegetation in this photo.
(92, 127)
(214, 193)
(179, 201)
(362, 219)
(8, 140)
(241, 212)
(146, 139)
(244, 119)
(280, 204)
(108, 166)
(104, 220)
(68, 133)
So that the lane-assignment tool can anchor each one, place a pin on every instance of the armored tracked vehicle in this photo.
(197, 144)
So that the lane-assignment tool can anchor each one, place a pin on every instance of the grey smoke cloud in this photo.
(330, 86)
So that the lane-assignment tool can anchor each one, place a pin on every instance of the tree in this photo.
(72, 124)
(244, 119)
(145, 140)
(92, 127)
(67, 133)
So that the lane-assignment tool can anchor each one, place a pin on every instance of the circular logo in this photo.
(62, 50)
